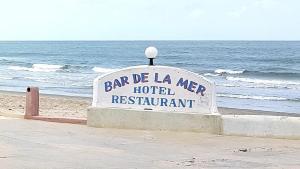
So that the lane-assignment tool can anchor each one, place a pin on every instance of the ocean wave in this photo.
(39, 68)
(6, 78)
(228, 85)
(37, 79)
(263, 81)
(103, 70)
(271, 98)
(211, 74)
(228, 71)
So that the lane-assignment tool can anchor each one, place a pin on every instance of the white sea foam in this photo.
(5, 78)
(228, 85)
(18, 68)
(103, 70)
(211, 74)
(272, 98)
(46, 67)
(37, 79)
(263, 81)
(38, 68)
(228, 71)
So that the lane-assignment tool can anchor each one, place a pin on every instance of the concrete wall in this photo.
(241, 125)
(262, 126)
(151, 120)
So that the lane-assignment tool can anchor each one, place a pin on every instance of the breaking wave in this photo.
(103, 70)
(271, 98)
(211, 74)
(6, 78)
(228, 71)
(263, 81)
(39, 68)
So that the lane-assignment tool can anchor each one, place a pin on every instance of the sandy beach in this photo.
(50, 105)
(75, 107)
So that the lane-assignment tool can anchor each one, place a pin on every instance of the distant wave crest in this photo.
(211, 74)
(39, 68)
(103, 70)
(229, 71)
(263, 81)
(238, 96)
(6, 78)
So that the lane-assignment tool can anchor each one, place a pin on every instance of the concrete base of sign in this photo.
(241, 125)
(151, 120)
(262, 126)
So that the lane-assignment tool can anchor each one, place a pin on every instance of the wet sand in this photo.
(75, 107)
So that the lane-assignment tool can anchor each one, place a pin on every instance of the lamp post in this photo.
(151, 53)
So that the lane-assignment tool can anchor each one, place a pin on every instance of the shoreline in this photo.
(75, 106)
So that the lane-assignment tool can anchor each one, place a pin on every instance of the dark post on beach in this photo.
(32, 102)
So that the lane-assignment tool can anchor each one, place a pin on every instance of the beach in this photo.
(13, 103)
(255, 75)
(50, 105)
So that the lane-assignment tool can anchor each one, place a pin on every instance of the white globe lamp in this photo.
(151, 53)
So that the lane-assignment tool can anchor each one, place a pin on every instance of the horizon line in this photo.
(139, 40)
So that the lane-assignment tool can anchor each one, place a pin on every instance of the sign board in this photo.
(158, 88)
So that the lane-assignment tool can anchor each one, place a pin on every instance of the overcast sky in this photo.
(149, 20)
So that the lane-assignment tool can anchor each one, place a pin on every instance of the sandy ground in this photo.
(65, 106)
(28, 144)
(75, 107)
(50, 105)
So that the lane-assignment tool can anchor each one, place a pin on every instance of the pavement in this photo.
(30, 144)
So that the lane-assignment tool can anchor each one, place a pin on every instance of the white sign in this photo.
(159, 88)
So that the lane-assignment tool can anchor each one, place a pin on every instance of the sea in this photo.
(258, 75)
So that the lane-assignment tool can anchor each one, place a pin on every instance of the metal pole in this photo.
(151, 62)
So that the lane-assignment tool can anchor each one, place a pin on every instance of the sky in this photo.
(149, 20)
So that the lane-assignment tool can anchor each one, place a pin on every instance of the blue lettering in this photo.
(170, 92)
(107, 86)
(163, 102)
(139, 100)
(191, 103)
(124, 80)
(153, 103)
(201, 89)
(167, 79)
(173, 103)
(156, 78)
(131, 100)
(144, 77)
(115, 99)
(162, 90)
(182, 83)
(136, 78)
(192, 86)
(145, 89)
(182, 103)
(137, 89)
(153, 89)
(146, 101)
(117, 83)
(123, 99)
